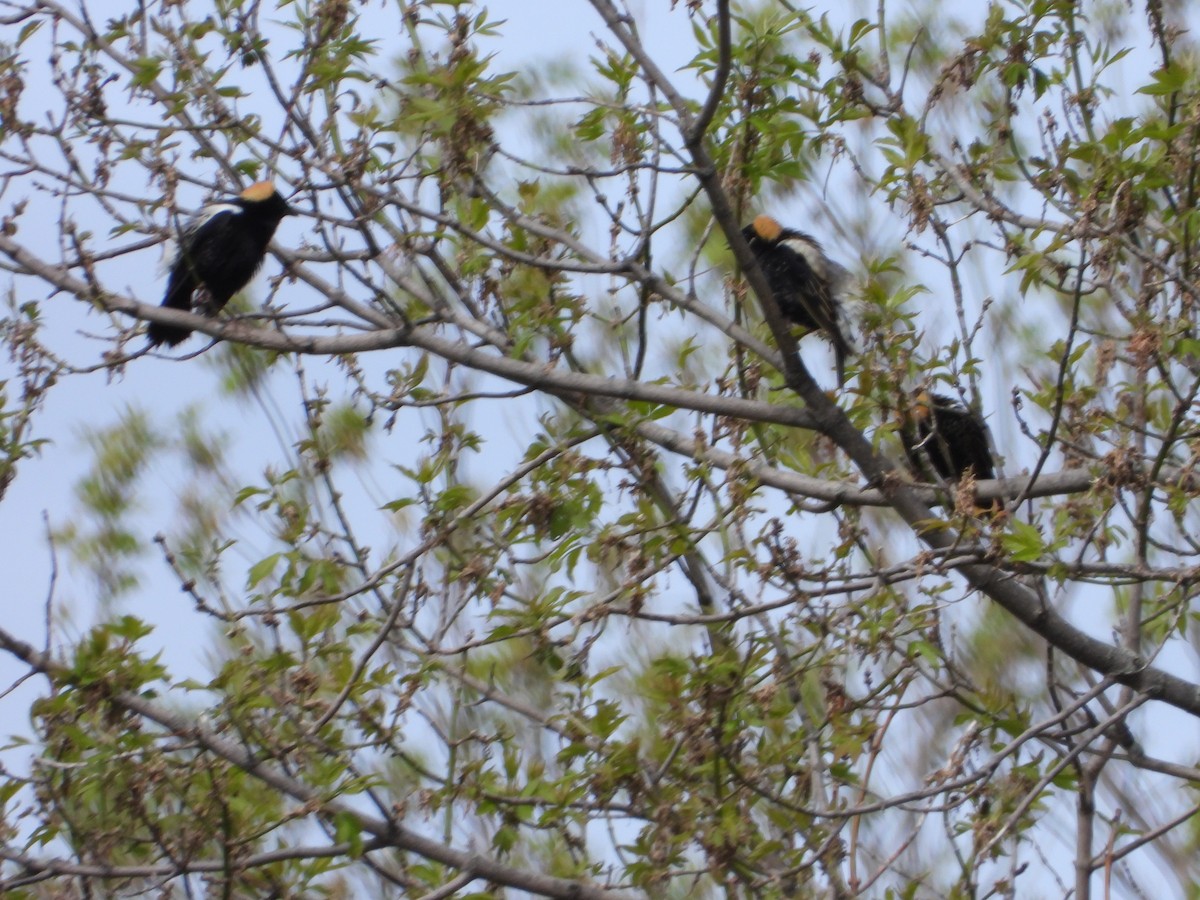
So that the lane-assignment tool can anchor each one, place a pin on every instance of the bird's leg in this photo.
(203, 303)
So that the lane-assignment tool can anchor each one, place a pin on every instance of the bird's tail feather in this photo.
(179, 296)
(841, 350)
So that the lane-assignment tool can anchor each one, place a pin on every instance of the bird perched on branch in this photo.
(806, 283)
(941, 433)
(218, 253)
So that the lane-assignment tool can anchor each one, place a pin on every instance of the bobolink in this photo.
(940, 432)
(218, 252)
(805, 281)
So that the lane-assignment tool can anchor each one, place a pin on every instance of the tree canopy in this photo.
(504, 538)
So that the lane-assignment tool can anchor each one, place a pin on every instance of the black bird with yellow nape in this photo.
(804, 281)
(217, 254)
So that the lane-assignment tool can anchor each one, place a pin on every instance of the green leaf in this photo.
(146, 70)
(262, 569)
(1023, 542)
(1168, 80)
(348, 830)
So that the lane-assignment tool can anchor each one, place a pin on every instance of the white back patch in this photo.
(811, 252)
(208, 212)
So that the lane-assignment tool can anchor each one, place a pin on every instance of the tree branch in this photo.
(387, 832)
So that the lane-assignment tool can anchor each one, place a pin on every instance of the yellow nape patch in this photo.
(261, 190)
(922, 408)
(767, 228)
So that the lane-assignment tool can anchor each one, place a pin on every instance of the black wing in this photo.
(191, 269)
(942, 433)
(804, 295)
(964, 437)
